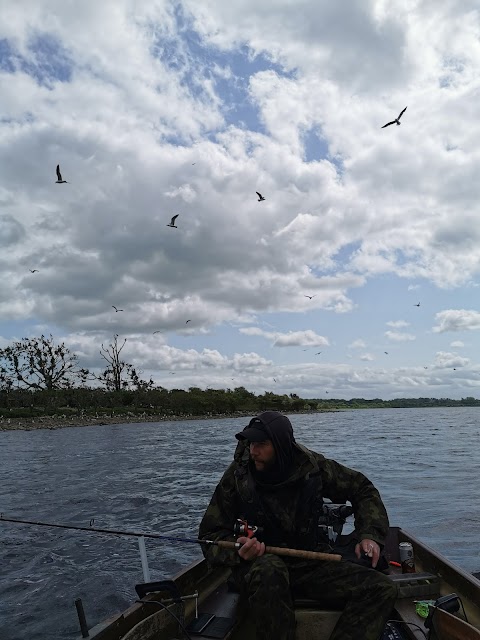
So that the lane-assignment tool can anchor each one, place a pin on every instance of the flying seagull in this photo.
(318, 353)
(60, 180)
(310, 296)
(187, 321)
(172, 222)
(33, 270)
(397, 120)
(260, 197)
(116, 310)
(386, 352)
(416, 305)
(157, 332)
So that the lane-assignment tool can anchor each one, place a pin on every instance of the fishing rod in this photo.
(225, 544)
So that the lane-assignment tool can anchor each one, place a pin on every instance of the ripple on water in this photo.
(160, 477)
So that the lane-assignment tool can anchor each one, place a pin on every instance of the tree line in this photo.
(39, 377)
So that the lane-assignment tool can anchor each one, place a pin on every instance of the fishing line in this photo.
(90, 528)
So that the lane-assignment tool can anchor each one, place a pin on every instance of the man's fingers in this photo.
(251, 548)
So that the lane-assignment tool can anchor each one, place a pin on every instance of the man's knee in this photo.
(267, 572)
(384, 588)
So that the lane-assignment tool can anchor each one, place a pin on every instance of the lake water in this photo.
(159, 477)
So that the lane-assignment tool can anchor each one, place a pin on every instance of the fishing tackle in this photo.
(226, 544)
(242, 528)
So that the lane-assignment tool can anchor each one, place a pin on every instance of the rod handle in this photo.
(283, 551)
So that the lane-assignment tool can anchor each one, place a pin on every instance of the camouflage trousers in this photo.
(270, 584)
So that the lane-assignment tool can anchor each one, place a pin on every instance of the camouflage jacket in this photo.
(335, 482)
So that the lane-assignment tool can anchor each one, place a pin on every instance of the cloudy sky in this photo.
(357, 276)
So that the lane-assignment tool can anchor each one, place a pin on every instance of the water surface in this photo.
(159, 477)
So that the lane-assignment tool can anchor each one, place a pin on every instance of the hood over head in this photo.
(272, 425)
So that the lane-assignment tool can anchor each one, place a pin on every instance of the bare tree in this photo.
(120, 374)
(38, 363)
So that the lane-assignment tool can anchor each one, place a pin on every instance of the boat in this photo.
(200, 599)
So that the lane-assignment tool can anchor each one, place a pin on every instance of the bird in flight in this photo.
(157, 332)
(310, 296)
(172, 222)
(260, 197)
(318, 353)
(33, 270)
(425, 367)
(187, 321)
(386, 352)
(60, 180)
(397, 120)
(416, 305)
(116, 310)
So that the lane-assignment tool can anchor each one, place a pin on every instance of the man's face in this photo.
(262, 454)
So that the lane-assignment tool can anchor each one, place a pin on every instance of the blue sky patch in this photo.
(49, 61)
(229, 70)
(7, 56)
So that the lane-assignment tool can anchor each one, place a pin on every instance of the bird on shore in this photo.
(310, 297)
(116, 310)
(172, 222)
(33, 270)
(260, 197)
(60, 180)
(396, 121)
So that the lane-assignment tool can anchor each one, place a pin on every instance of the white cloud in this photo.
(397, 324)
(444, 359)
(457, 344)
(357, 344)
(367, 357)
(457, 320)
(396, 336)
(306, 338)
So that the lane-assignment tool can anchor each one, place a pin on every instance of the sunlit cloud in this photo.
(457, 320)
(396, 336)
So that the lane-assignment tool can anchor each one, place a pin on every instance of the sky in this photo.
(358, 274)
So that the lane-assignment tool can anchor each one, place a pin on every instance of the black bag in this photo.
(392, 632)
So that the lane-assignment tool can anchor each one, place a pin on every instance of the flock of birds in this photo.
(261, 198)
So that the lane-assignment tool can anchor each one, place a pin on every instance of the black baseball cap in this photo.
(254, 432)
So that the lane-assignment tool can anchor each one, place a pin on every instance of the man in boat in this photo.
(279, 485)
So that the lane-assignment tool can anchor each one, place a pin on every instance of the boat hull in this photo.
(435, 576)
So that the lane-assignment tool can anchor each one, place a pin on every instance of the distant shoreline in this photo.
(61, 422)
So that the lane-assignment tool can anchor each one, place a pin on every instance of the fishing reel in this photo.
(242, 528)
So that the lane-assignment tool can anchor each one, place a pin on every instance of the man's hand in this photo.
(368, 548)
(251, 548)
